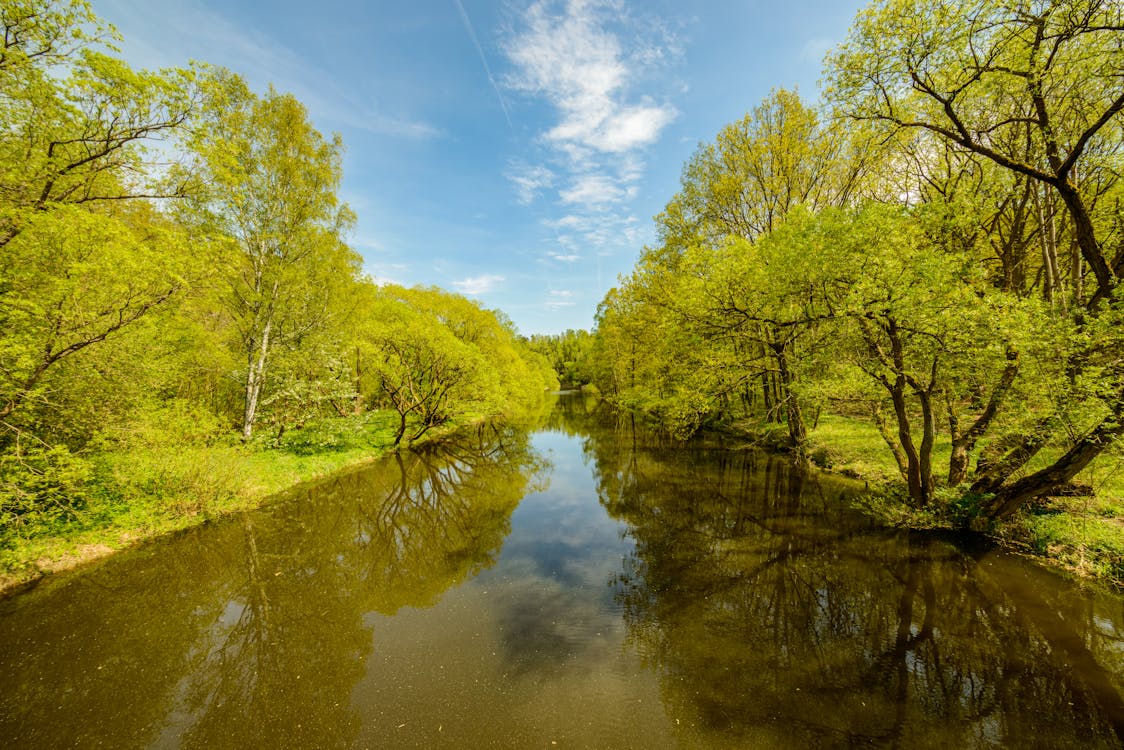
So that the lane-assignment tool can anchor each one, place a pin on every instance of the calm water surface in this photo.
(582, 585)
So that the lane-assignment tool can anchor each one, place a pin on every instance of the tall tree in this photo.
(271, 194)
(1034, 87)
(74, 127)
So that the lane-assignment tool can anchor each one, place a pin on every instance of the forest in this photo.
(183, 325)
(928, 260)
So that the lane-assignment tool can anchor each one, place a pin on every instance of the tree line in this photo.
(173, 254)
(935, 247)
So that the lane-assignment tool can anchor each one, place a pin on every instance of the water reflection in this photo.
(254, 633)
(650, 595)
(777, 619)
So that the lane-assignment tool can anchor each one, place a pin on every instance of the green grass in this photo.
(853, 446)
(130, 495)
(1082, 534)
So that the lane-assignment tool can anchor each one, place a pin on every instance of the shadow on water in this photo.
(651, 594)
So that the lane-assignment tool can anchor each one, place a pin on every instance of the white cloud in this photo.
(594, 62)
(593, 190)
(565, 257)
(529, 182)
(559, 298)
(478, 284)
(566, 222)
(581, 67)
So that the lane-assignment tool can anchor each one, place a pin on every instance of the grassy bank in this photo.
(116, 498)
(1084, 534)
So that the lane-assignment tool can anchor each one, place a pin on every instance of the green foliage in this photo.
(437, 358)
(940, 259)
(40, 488)
(148, 311)
(340, 434)
(1085, 543)
(568, 353)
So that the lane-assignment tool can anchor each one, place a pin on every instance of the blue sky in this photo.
(513, 151)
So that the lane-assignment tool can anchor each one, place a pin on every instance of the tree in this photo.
(1032, 86)
(73, 279)
(73, 125)
(424, 372)
(74, 120)
(271, 196)
(703, 294)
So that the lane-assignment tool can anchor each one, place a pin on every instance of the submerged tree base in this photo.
(1080, 531)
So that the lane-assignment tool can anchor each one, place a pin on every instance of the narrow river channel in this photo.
(580, 584)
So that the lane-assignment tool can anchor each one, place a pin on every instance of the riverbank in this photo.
(125, 497)
(1082, 534)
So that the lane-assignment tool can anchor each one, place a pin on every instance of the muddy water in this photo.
(575, 584)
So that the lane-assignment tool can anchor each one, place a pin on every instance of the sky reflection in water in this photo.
(587, 584)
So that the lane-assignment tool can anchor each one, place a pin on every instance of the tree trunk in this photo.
(964, 442)
(913, 472)
(925, 454)
(1086, 236)
(991, 476)
(398, 433)
(767, 396)
(255, 378)
(797, 432)
(1048, 240)
(1009, 499)
(895, 448)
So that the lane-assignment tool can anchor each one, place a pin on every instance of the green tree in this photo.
(72, 279)
(74, 121)
(1032, 87)
(271, 198)
(426, 373)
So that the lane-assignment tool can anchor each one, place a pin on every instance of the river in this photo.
(581, 584)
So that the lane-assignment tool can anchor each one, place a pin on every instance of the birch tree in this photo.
(271, 206)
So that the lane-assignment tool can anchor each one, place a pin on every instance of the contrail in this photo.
(484, 60)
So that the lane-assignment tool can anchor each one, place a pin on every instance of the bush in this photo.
(41, 489)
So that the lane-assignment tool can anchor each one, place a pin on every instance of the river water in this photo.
(580, 584)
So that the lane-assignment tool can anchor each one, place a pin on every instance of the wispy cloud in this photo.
(564, 257)
(530, 181)
(600, 68)
(582, 68)
(475, 285)
(483, 59)
(559, 298)
(595, 190)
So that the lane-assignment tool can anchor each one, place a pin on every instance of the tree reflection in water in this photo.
(775, 617)
(252, 633)
(757, 612)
